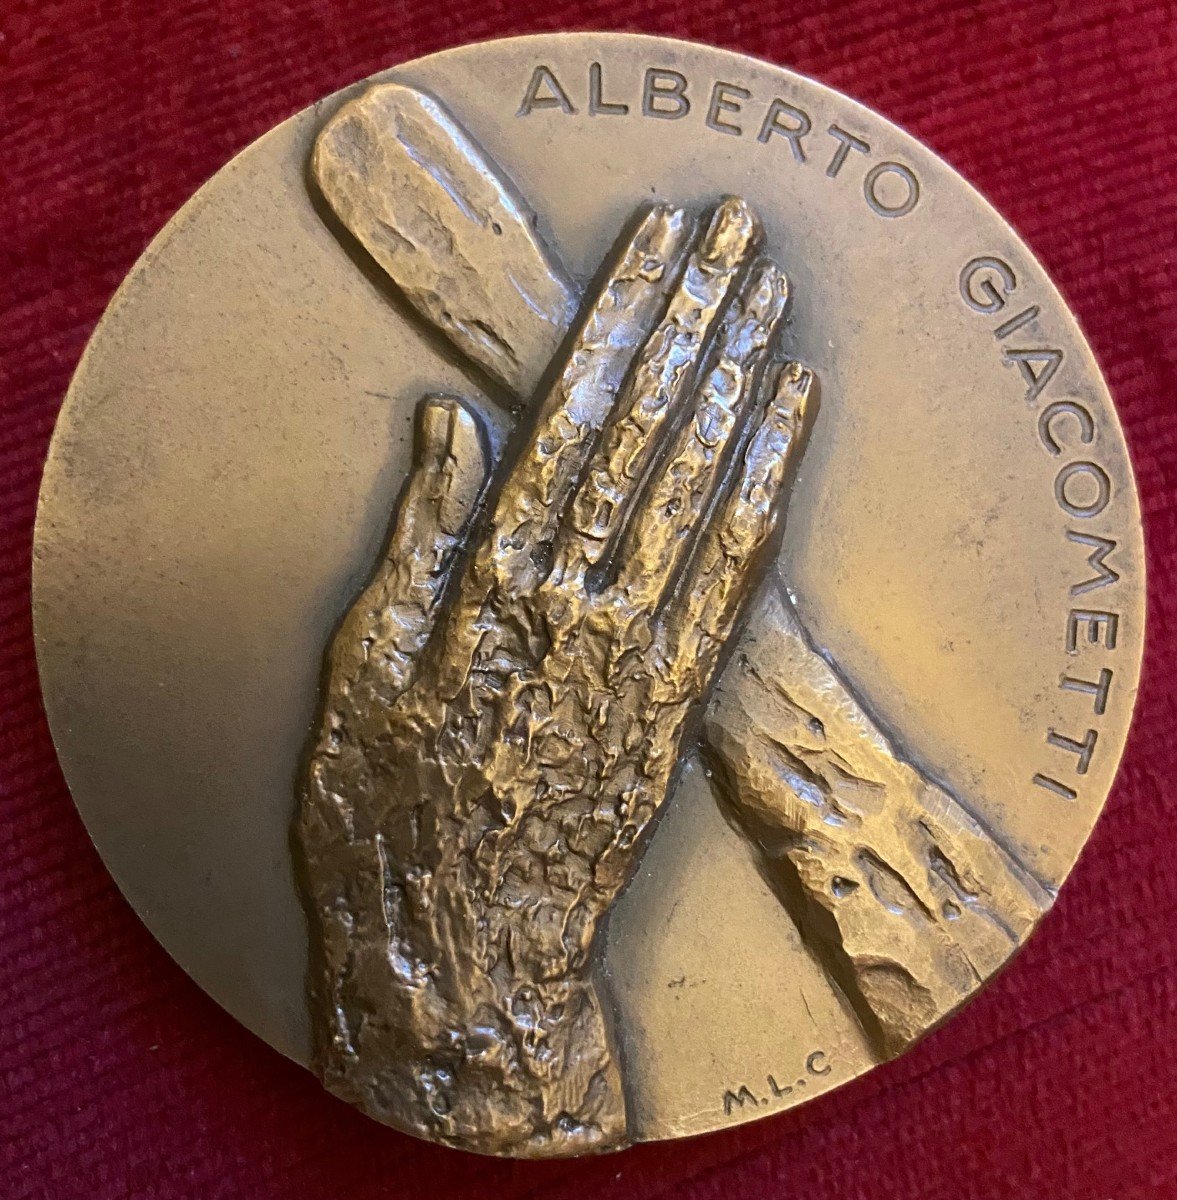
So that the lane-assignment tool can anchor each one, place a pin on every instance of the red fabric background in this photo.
(121, 1079)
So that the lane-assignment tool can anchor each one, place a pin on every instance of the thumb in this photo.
(390, 623)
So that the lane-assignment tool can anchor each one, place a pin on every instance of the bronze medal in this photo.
(588, 589)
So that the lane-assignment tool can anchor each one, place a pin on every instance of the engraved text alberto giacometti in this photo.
(507, 703)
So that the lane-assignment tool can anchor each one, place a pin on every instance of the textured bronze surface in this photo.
(560, 897)
(501, 729)
(413, 188)
(904, 897)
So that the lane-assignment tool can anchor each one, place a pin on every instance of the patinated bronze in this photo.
(497, 745)
(745, 657)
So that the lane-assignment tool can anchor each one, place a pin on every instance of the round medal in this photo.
(588, 589)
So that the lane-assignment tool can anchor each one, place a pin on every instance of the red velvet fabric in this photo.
(121, 1079)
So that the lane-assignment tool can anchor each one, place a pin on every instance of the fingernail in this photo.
(436, 429)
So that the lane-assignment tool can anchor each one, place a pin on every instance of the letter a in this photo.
(557, 97)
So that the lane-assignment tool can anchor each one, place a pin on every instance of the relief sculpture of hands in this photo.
(904, 897)
(508, 703)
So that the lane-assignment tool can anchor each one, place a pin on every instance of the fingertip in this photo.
(433, 432)
(662, 217)
(732, 231)
(778, 439)
(766, 295)
(658, 239)
(450, 469)
(794, 394)
(447, 427)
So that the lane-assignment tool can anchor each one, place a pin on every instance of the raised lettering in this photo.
(1016, 322)
(801, 125)
(664, 94)
(742, 1097)
(846, 143)
(556, 97)
(1098, 689)
(598, 106)
(911, 189)
(1082, 750)
(816, 1063)
(1101, 547)
(1100, 626)
(1047, 360)
(726, 97)
(1053, 785)
(981, 295)
(1064, 408)
(1064, 490)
